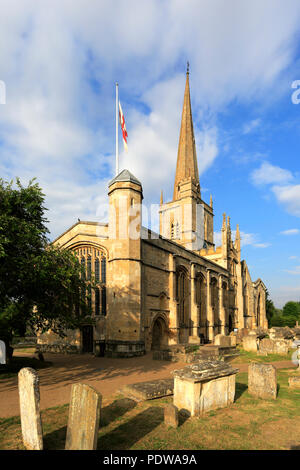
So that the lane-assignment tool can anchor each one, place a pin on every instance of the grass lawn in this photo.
(249, 423)
(246, 357)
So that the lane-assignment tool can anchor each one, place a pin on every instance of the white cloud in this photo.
(250, 126)
(268, 174)
(291, 231)
(60, 61)
(289, 196)
(261, 245)
(296, 270)
(246, 239)
(286, 193)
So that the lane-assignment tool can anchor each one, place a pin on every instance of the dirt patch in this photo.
(282, 434)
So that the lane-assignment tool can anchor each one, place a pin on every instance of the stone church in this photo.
(157, 290)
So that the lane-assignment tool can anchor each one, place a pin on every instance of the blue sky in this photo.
(60, 61)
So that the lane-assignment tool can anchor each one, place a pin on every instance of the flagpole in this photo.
(117, 127)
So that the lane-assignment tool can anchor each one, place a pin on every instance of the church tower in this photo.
(187, 219)
(123, 324)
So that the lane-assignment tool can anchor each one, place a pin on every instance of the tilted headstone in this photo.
(262, 380)
(84, 417)
(171, 415)
(29, 395)
(2, 352)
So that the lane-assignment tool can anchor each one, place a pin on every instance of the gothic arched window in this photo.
(89, 268)
(97, 270)
(103, 270)
(94, 265)
(83, 266)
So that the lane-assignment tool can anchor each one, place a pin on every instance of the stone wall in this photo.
(51, 342)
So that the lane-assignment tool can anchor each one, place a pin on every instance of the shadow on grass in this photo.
(128, 433)
(115, 410)
(183, 417)
(55, 440)
(240, 388)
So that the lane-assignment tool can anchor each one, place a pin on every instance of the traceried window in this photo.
(97, 270)
(97, 301)
(93, 263)
(83, 266)
(89, 268)
(103, 270)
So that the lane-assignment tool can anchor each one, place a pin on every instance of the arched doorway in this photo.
(159, 334)
(87, 339)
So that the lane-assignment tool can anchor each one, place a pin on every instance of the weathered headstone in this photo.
(29, 395)
(274, 346)
(294, 381)
(223, 341)
(149, 390)
(84, 417)
(262, 380)
(250, 343)
(171, 415)
(204, 386)
(2, 352)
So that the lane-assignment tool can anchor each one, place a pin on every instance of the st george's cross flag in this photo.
(124, 131)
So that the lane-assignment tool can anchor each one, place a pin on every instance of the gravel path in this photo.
(104, 374)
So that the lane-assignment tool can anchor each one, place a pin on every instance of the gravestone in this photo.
(274, 346)
(29, 396)
(171, 415)
(294, 381)
(2, 352)
(204, 386)
(262, 381)
(84, 417)
(250, 343)
(223, 341)
(148, 390)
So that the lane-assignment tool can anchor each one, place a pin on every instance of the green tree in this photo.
(291, 313)
(270, 309)
(40, 285)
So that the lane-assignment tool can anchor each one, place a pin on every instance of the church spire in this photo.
(161, 197)
(187, 167)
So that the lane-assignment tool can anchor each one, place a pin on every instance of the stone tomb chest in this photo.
(204, 386)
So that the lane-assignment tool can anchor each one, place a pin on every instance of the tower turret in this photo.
(125, 219)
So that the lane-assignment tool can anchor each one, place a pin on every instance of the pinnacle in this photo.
(187, 167)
